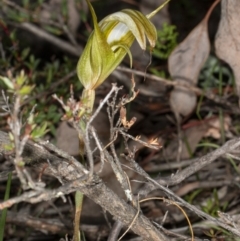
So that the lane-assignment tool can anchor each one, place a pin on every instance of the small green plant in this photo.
(21, 88)
(46, 77)
(214, 77)
(216, 233)
(213, 205)
(167, 41)
(212, 73)
(190, 197)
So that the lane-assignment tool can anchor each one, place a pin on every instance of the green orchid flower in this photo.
(109, 43)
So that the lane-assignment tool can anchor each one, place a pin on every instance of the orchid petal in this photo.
(110, 42)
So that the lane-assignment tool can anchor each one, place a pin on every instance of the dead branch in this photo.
(167, 82)
(68, 171)
(196, 165)
(229, 146)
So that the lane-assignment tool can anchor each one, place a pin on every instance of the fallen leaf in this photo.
(185, 63)
(215, 126)
(193, 132)
(191, 137)
(227, 40)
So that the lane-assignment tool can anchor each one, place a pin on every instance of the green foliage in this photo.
(160, 73)
(17, 85)
(211, 75)
(20, 88)
(214, 77)
(167, 41)
(7, 82)
(190, 198)
(217, 233)
(212, 205)
(37, 82)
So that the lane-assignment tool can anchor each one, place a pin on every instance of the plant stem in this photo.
(78, 211)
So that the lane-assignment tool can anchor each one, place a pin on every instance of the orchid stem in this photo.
(78, 211)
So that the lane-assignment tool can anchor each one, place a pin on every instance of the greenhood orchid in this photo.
(109, 43)
(106, 47)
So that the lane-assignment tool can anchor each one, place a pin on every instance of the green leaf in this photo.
(49, 75)
(9, 147)
(25, 90)
(25, 53)
(21, 78)
(64, 8)
(7, 82)
(53, 30)
(40, 131)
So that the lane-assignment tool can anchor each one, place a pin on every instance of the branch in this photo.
(196, 165)
(65, 46)
(38, 156)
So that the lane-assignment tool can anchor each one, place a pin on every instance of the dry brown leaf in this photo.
(215, 126)
(123, 114)
(127, 124)
(193, 132)
(154, 142)
(185, 63)
(191, 137)
(188, 57)
(227, 40)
